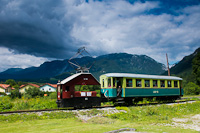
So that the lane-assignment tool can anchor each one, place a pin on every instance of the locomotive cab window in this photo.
(147, 83)
(162, 83)
(67, 88)
(169, 83)
(155, 83)
(175, 83)
(109, 82)
(128, 82)
(138, 83)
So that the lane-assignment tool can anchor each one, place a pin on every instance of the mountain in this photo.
(184, 67)
(126, 63)
(46, 70)
(185, 64)
(12, 70)
(59, 69)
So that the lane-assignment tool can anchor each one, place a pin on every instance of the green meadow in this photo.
(156, 118)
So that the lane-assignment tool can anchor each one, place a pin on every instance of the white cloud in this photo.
(122, 27)
(10, 60)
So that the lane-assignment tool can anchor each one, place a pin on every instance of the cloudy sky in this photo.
(34, 31)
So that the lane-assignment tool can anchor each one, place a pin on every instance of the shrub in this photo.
(21, 105)
(5, 103)
(53, 95)
(15, 94)
(2, 94)
(34, 92)
(191, 89)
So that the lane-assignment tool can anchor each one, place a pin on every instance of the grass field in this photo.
(74, 125)
(143, 119)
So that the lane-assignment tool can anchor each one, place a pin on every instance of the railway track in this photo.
(28, 111)
(44, 110)
(182, 100)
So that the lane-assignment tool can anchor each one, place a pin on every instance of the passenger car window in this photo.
(169, 83)
(109, 82)
(147, 83)
(155, 83)
(138, 83)
(128, 82)
(162, 83)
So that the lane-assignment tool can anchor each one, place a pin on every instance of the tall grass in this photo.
(161, 113)
(8, 104)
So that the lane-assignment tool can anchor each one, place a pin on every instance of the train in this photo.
(119, 88)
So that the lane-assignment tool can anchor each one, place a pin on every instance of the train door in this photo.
(119, 86)
(181, 87)
(59, 94)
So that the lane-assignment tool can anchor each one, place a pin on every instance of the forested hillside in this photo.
(184, 67)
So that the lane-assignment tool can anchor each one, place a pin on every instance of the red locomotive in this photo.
(66, 94)
(68, 97)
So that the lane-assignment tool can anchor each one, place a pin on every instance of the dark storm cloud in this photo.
(39, 28)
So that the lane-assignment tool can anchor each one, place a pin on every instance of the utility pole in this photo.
(168, 65)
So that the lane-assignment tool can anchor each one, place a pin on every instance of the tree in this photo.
(16, 86)
(11, 82)
(19, 83)
(196, 68)
(191, 89)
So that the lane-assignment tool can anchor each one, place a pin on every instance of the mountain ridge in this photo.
(115, 62)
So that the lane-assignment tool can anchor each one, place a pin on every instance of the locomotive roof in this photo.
(73, 77)
(129, 75)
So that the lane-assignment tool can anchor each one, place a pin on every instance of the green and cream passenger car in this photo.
(136, 86)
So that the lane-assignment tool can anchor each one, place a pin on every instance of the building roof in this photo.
(34, 85)
(5, 86)
(129, 75)
(22, 86)
(52, 85)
